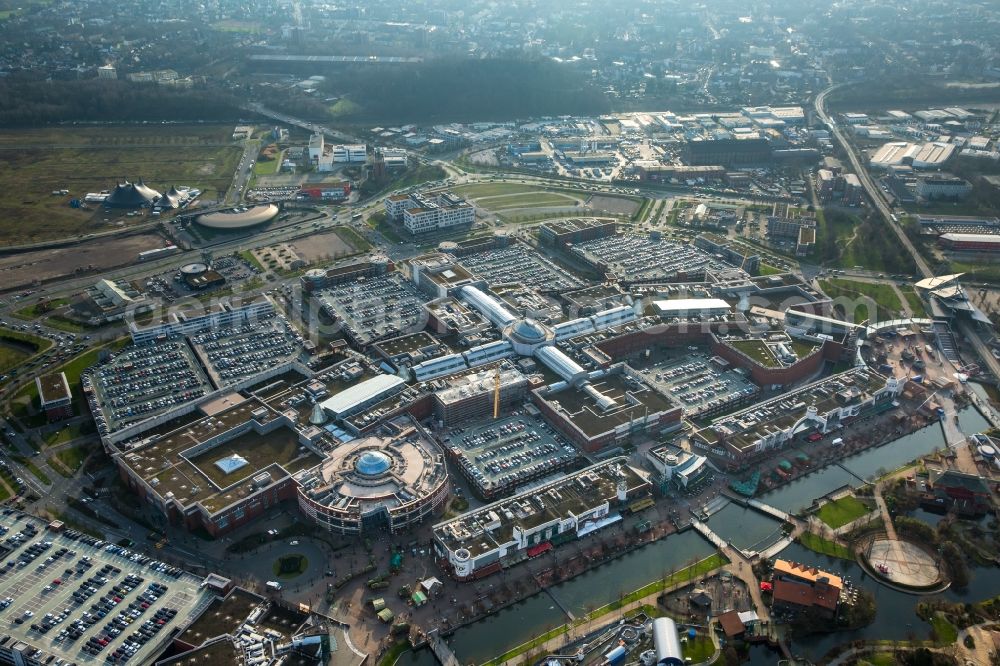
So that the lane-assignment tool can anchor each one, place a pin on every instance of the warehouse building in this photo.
(362, 395)
(691, 307)
(981, 243)
(727, 152)
(930, 155)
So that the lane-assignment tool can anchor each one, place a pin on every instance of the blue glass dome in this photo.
(526, 329)
(372, 463)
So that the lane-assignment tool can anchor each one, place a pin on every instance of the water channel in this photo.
(896, 611)
(593, 589)
(896, 617)
(745, 528)
(800, 493)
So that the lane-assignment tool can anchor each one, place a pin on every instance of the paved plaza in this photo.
(903, 562)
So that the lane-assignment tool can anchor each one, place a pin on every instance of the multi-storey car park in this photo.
(498, 455)
(158, 375)
(142, 381)
(631, 258)
(232, 354)
(68, 598)
(501, 534)
(702, 384)
(374, 308)
(522, 265)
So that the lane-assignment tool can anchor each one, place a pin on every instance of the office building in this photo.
(54, 396)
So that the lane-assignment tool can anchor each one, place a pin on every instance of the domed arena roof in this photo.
(238, 218)
(372, 463)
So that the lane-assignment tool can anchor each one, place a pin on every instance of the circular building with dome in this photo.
(390, 481)
(526, 335)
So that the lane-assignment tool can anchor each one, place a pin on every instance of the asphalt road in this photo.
(874, 195)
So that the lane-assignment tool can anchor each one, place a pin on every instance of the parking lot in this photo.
(234, 353)
(508, 452)
(142, 381)
(635, 257)
(375, 308)
(699, 385)
(81, 600)
(519, 264)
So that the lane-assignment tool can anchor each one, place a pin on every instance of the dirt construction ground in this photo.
(19, 270)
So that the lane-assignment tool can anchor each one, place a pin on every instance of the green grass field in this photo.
(842, 511)
(267, 167)
(945, 631)
(757, 350)
(12, 355)
(36, 310)
(249, 257)
(823, 546)
(526, 201)
(353, 238)
(698, 649)
(70, 458)
(864, 298)
(65, 324)
(40, 161)
(883, 294)
(913, 300)
(16, 347)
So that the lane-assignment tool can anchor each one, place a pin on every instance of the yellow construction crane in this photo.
(496, 392)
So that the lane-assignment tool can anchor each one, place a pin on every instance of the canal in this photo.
(516, 624)
(896, 614)
(800, 493)
(746, 528)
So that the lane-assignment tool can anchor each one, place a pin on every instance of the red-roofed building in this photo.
(798, 587)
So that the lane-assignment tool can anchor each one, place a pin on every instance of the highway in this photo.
(866, 181)
(875, 196)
